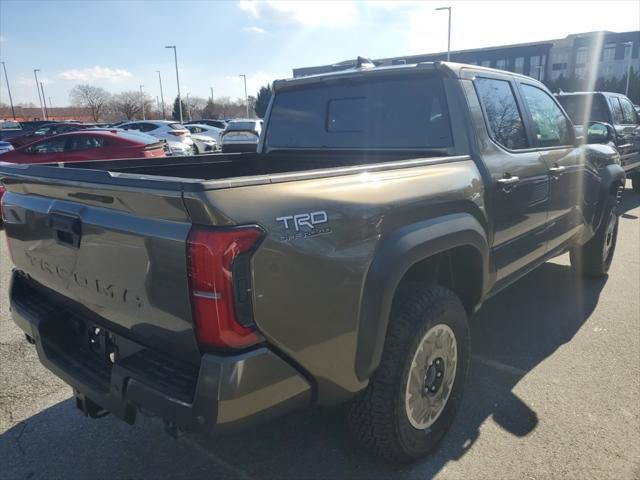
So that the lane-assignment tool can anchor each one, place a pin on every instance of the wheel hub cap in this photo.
(431, 376)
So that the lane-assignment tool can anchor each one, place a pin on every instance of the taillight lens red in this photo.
(211, 253)
(178, 134)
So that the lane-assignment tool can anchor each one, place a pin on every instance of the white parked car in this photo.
(205, 130)
(241, 135)
(177, 136)
(5, 147)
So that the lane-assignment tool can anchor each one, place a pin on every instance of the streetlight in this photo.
(630, 45)
(9, 90)
(142, 102)
(246, 99)
(44, 102)
(449, 34)
(161, 94)
(35, 73)
(175, 56)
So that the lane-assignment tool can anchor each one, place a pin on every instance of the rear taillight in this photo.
(220, 291)
(177, 134)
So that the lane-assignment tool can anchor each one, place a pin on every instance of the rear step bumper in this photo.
(223, 393)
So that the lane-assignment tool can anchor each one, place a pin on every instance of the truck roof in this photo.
(450, 69)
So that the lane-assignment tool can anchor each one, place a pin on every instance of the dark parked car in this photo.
(45, 131)
(341, 262)
(88, 145)
(616, 110)
(10, 128)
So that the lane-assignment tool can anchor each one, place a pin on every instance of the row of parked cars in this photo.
(35, 142)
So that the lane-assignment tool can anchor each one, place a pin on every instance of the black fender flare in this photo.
(609, 175)
(395, 254)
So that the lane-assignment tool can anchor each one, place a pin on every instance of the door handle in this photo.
(558, 169)
(508, 181)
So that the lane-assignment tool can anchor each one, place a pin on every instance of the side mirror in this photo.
(598, 132)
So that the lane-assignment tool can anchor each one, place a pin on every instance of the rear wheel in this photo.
(412, 397)
(594, 258)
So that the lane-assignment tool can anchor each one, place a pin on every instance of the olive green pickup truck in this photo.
(341, 262)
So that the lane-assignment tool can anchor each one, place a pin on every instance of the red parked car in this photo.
(88, 145)
(46, 131)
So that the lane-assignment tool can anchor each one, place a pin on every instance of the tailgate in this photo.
(115, 246)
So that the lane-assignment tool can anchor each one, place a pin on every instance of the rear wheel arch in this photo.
(451, 250)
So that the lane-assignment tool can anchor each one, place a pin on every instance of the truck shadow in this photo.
(513, 333)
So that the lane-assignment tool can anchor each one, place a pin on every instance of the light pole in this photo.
(211, 94)
(144, 117)
(630, 45)
(4, 67)
(161, 94)
(35, 73)
(175, 56)
(246, 99)
(449, 34)
(44, 102)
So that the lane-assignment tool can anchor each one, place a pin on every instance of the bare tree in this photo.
(195, 106)
(95, 99)
(129, 105)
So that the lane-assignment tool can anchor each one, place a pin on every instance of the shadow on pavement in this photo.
(514, 332)
(630, 200)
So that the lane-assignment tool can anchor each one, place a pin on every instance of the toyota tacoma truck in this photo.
(340, 263)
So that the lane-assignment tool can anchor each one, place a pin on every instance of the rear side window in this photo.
(55, 145)
(384, 113)
(504, 120)
(628, 112)
(616, 111)
(85, 142)
(552, 127)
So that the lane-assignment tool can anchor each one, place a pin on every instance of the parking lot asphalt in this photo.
(553, 392)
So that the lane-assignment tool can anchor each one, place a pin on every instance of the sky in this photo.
(120, 45)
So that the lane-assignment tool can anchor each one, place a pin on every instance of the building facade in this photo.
(607, 55)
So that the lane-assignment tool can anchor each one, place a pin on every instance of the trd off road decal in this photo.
(304, 225)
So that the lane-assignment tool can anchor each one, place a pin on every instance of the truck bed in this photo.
(224, 166)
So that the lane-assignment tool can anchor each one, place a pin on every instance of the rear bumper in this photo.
(239, 147)
(223, 393)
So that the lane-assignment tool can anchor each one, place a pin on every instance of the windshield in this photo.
(390, 113)
(577, 108)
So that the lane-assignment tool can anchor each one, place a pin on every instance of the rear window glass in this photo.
(391, 113)
(134, 136)
(176, 126)
(584, 108)
(9, 125)
(242, 126)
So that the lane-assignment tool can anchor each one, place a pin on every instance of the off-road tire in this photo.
(589, 260)
(378, 416)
